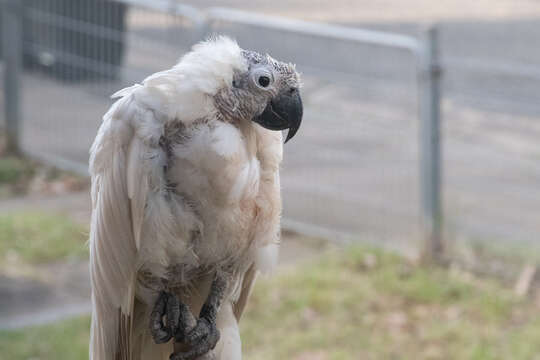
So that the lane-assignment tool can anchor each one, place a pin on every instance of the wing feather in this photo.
(120, 183)
(247, 286)
(137, 187)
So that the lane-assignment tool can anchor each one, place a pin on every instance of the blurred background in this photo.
(411, 194)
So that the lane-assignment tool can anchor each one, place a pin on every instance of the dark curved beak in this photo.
(282, 112)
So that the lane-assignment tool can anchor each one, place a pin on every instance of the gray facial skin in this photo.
(268, 94)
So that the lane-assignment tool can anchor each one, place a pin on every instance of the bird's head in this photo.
(247, 86)
(266, 92)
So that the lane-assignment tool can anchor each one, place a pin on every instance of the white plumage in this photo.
(180, 191)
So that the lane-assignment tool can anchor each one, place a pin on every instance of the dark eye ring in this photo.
(264, 81)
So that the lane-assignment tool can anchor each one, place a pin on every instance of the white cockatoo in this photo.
(186, 203)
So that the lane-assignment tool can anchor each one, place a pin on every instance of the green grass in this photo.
(13, 169)
(65, 340)
(15, 174)
(357, 304)
(338, 308)
(20, 175)
(34, 238)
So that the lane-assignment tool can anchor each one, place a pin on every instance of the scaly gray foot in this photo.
(179, 320)
(204, 336)
(202, 339)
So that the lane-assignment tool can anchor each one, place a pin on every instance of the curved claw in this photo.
(179, 319)
(185, 324)
(160, 332)
(201, 330)
(203, 338)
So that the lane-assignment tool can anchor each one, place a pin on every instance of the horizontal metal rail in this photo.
(171, 7)
(205, 18)
(58, 161)
(532, 72)
(337, 32)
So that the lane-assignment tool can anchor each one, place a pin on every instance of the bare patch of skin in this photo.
(243, 100)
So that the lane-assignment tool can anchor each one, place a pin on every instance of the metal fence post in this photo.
(430, 146)
(12, 57)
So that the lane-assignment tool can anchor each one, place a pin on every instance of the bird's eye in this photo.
(262, 78)
(264, 81)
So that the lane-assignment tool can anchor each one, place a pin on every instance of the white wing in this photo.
(125, 162)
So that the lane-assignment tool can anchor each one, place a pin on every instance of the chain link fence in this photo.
(75, 55)
(371, 104)
(491, 157)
